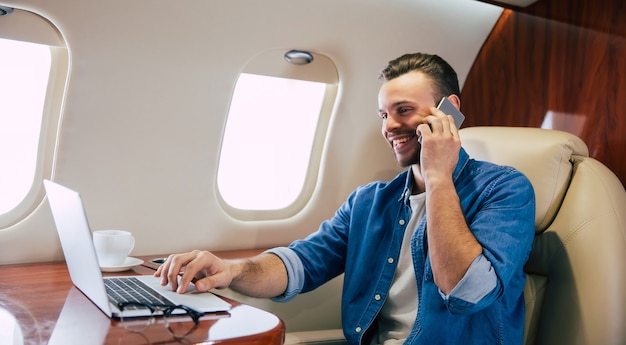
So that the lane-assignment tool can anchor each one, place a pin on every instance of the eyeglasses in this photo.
(179, 330)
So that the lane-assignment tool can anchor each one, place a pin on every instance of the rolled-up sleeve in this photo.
(295, 273)
(479, 281)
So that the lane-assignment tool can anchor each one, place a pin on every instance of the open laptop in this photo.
(82, 263)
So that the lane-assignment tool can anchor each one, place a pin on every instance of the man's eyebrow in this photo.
(395, 105)
(399, 103)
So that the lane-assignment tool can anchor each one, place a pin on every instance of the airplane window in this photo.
(26, 67)
(274, 135)
(268, 140)
(35, 62)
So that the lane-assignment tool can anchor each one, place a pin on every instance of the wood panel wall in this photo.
(558, 59)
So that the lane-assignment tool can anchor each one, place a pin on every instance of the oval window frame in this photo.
(27, 26)
(272, 63)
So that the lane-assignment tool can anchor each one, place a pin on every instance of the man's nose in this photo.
(391, 123)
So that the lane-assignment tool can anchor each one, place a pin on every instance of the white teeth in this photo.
(400, 141)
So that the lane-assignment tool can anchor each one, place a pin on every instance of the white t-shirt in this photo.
(399, 311)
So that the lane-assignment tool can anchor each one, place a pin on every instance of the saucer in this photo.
(129, 263)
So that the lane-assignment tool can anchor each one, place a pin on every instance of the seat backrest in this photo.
(576, 287)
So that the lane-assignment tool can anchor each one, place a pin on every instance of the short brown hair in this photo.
(442, 74)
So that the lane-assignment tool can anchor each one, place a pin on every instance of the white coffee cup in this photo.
(113, 246)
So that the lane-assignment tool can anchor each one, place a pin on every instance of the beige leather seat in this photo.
(576, 289)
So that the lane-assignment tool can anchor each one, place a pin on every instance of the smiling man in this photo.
(434, 256)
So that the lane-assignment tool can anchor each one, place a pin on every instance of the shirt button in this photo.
(401, 222)
(390, 260)
(358, 329)
(377, 297)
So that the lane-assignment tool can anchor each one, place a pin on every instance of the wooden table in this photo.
(41, 300)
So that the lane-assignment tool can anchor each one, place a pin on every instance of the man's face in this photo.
(403, 103)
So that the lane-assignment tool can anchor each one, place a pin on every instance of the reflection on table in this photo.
(10, 330)
(79, 313)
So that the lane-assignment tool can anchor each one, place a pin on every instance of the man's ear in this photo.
(454, 99)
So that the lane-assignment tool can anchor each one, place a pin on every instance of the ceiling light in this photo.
(298, 57)
(4, 10)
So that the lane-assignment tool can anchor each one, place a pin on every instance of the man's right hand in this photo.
(204, 269)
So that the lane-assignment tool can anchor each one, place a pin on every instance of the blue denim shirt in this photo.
(363, 241)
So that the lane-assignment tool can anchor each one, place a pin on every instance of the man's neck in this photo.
(418, 181)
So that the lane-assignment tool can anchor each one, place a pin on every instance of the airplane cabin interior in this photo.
(239, 126)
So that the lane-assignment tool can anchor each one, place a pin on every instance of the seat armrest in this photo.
(321, 337)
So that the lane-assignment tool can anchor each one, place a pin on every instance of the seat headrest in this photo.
(545, 156)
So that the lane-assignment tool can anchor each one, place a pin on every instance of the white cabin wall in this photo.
(148, 91)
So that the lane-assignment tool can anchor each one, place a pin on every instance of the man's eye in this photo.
(383, 116)
(403, 110)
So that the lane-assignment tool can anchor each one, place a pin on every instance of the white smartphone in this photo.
(447, 107)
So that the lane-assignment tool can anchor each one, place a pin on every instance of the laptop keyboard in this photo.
(130, 289)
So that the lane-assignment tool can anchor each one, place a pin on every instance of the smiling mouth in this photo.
(400, 141)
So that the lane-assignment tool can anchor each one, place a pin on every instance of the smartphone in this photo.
(447, 107)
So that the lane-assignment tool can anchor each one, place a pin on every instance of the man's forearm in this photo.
(452, 247)
(264, 275)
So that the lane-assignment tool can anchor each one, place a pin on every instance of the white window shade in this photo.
(23, 88)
